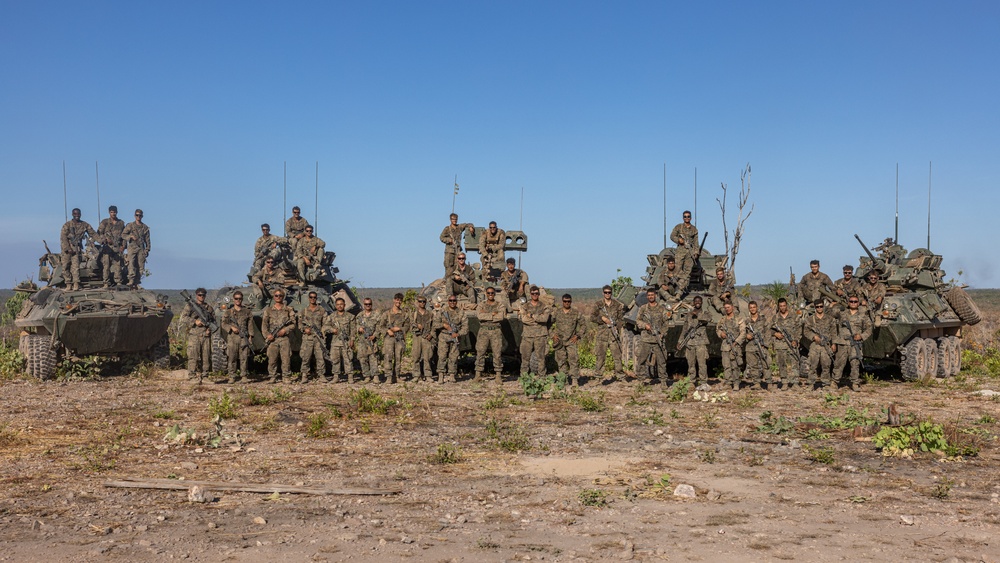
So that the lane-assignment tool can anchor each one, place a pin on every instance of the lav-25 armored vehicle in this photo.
(58, 322)
(919, 325)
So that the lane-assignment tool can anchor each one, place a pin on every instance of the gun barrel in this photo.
(865, 246)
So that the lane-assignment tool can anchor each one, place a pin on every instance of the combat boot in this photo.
(499, 377)
(273, 378)
(232, 379)
(576, 382)
(855, 386)
(479, 375)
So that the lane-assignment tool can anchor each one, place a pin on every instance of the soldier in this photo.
(451, 236)
(732, 330)
(491, 248)
(820, 329)
(758, 362)
(720, 289)
(855, 327)
(535, 317)
(568, 329)
(199, 339)
(340, 325)
(490, 313)
(847, 285)
(276, 324)
(136, 237)
(685, 236)
(236, 324)
(871, 296)
(309, 254)
(368, 325)
(269, 278)
(814, 284)
(670, 282)
(71, 238)
(311, 320)
(295, 228)
(786, 334)
(463, 279)
(112, 248)
(394, 340)
(265, 247)
(422, 350)
(608, 316)
(452, 324)
(513, 280)
(652, 321)
(694, 342)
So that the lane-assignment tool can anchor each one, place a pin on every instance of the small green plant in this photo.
(707, 456)
(824, 455)
(747, 401)
(86, 368)
(942, 490)
(816, 434)
(593, 497)
(835, 400)
(165, 415)
(505, 435)
(223, 406)
(535, 385)
(674, 413)
(497, 401)
(903, 440)
(771, 425)
(98, 457)
(653, 417)
(253, 398)
(710, 420)
(987, 419)
(316, 426)
(367, 401)
(638, 395)
(679, 391)
(446, 454)
(662, 483)
(12, 361)
(589, 402)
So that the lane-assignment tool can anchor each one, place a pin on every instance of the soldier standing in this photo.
(71, 239)
(451, 236)
(422, 350)
(814, 284)
(199, 339)
(720, 289)
(340, 324)
(652, 321)
(872, 294)
(732, 330)
(855, 327)
(236, 323)
(786, 334)
(463, 279)
(535, 316)
(394, 340)
(276, 323)
(513, 280)
(694, 342)
(758, 362)
(265, 247)
(608, 316)
(295, 228)
(309, 254)
(491, 248)
(136, 236)
(452, 324)
(112, 247)
(490, 313)
(311, 320)
(848, 285)
(569, 327)
(820, 329)
(368, 325)
(685, 236)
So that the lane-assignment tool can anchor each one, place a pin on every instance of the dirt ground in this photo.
(478, 472)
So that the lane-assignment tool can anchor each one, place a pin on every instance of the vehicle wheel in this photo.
(159, 354)
(219, 360)
(956, 354)
(41, 357)
(931, 355)
(914, 362)
(964, 306)
(944, 357)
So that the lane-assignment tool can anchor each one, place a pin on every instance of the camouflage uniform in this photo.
(136, 236)
(696, 347)
(266, 246)
(820, 352)
(848, 326)
(452, 239)
(514, 289)
(448, 339)
(717, 292)
(491, 249)
(71, 239)
(758, 362)
(685, 236)
(341, 326)
(786, 352)
(535, 318)
(112, 261)
(237, 349)
(312, 344)
(422, 349)
(270, 280)
(490, 337)
(870, 298)
(608, 335)
(465, 284)
(651, 341)
(393, 345)
(368, 328)
(732, 330)
(670, 285)
(294, 227)
(566, 325)
(847, 288)
(314, 248)
(199, 339)
(280, 347)
(811, 284)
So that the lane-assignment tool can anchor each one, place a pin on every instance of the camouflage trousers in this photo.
(603, 341)
(341, 360)
(447, 356)
(310, 351)
(568, 358)
(199, 348)
(392, 354)
(450, 254)
(846, 353)
(112, 268)
(489, 339)
(685, 263)
(819, 360)
(422, 352)
(237, 351)
(758, 368)
(279, 348)
(788, 363)
(136, 264)
(697, 361)
(642, 354)
(368, 358)
(465, 289)
(533, 350)
(71, 268)
(731, 361)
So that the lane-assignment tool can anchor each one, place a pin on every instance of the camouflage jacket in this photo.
(685, 236)
(809, 287)
(656, 317)
(490, 314)
(790, 325)
(395, 319)
(273, 318)
(313, 247)
(871, 295)
(615, 312)
(275, 276)
(670, 281)
(732, 330)
(71, 237)
(510, 286)
(264, 243)
(534, 318)
(188, 318)
(367, 326)
(762, 328)
(341, 326)
(110, 232)
(566, 325)
(422, 324)
(295, 227)
(847, 288)
(136, 237)
(233, 320)
(448, 321)
(698, 326)
(825, 328)
(849, 325)
(717, 290)
(452, 236)
(464, 276)
(314, 318)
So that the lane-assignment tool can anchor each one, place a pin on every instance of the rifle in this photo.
(794, 345)
(514, 282)
(760, 347)
(274, 333)
(450, 326)
(697, 255)
(200, 312)
(245, 339)
(690, 332)
(614, 329)
(322, 340)
(856, 344)
(793, 288)
(656, 332)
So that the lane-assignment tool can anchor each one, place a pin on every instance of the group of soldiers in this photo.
(122, 249)
(306, 252)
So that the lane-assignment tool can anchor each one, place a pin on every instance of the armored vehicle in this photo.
(58, 322)
(919, 324)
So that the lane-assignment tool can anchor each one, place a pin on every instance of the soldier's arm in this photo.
(463, 323)
(446, 235)
(676, 237)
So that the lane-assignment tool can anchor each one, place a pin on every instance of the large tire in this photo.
(914, 361)
(220, 361)
(964, 306)
(944, 358)
(931, 355)
(41, 357)
(956, 351)
(159, 354)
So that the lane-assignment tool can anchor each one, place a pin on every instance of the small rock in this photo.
(145, 543)
(986, 393)
(686, 491)
(200, 494)
(259, 520)
(190, 466)
(462, 519)
(714, 495)
(906, 520)
(141, 528)
(212, 525)
(628, 550)
(36, 525)
(658, 432)
(199, 450)
(382, 541)
(406, 539)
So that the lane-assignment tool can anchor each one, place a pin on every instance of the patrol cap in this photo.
(113, 208)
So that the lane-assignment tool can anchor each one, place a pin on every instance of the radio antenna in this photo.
(284, 196)
(454, 194)
(65, 206)
(97, 179)
(520, 225)
(895, 236)
(929, 169)
(664, 205)
(316, 216)
(695, 195)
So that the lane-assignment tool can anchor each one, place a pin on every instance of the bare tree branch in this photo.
(742, 216)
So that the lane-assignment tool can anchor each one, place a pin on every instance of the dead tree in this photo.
(742, 216)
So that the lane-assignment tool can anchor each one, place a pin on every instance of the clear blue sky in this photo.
(191, 109)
